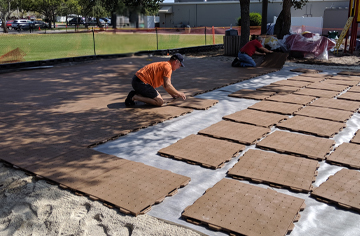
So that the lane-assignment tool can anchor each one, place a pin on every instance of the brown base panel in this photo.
(342, 188)
(239, 208)
(277, 170)
(255, 117)
(298, 144)
(201, 150)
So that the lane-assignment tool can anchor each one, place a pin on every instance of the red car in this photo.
(9, 23)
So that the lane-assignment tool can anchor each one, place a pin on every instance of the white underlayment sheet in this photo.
(317, 219)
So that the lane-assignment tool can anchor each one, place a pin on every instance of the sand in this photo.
(33, 207)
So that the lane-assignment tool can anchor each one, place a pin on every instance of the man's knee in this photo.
(159, 101)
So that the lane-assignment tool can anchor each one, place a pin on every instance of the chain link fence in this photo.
(45, 45)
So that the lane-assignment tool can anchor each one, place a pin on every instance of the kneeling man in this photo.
(152, 76)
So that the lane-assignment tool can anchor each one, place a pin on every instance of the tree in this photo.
(283, 22)
(245, 22)
(132, 8)
(48, 8)
(6, 8)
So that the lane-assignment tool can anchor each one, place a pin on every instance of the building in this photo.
(225, 13)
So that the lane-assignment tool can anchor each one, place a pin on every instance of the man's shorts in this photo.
(145, 90)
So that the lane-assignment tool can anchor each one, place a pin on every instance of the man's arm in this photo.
(265, 50)
(171, 90)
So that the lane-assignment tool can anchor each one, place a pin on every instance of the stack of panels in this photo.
(131, 186)
(279, 89)
(326, 86)
(347, 154)
(356, 138)
(201, 150)
(325, 113)
(297, 144)
(276, 107)
(312, 126)
(317, 93)
(275, 169)
(309, 79)
(254, 117)
(342, 188)
(306, 71)
(336, 104)
(251, 94)
(292, 98)
(236, 132)
(239, 208)
(194, 103)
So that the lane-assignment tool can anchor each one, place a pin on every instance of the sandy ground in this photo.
(33, 207)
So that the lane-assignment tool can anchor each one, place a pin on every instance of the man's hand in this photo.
(182, 95)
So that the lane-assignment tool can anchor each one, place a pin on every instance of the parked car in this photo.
(107, 20)
(9, 23)
(94, 23)
(27, 26)
(16, 25)
(77, 21)
(41, 24)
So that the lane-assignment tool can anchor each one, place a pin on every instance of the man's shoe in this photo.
(128, 100)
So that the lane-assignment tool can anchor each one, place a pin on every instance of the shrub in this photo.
(255, 19)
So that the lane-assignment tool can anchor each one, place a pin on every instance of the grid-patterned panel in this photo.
(276, 107)
(355, 89)
(254, 117)
(134, 187)
(195, 103)
(327, 86)
(336, 104)
(350, 96)
(251, 94)
(342, 188)
(325, 113)
(292, 83)
(281, 89)
(206, 151)
(330, 80)
(298, 144)
(317, 93)
(356, 138)
(307, 78)
(292, 98)
(347, 154)
(239, 208)
(237, 132)
(314, 126)
(287, 171)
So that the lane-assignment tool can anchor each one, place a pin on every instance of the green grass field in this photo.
(51, 46)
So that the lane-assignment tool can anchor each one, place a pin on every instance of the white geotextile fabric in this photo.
(317, 219)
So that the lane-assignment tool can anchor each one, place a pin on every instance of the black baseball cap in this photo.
(179, 57)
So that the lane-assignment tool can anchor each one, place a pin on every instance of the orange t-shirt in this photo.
(154, 73)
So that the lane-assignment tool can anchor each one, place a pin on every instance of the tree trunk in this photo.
(245, 22)
(283, 22)
(4, 26)
(264, 16)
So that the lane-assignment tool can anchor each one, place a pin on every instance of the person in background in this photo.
(249, 49)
